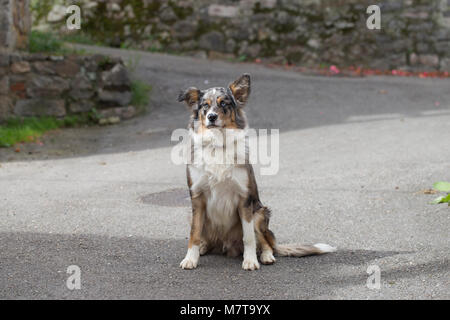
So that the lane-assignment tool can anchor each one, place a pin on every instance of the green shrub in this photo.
(140, 94)
(49, 43)
(44, 42)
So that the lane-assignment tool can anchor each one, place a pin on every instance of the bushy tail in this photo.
(298, 250)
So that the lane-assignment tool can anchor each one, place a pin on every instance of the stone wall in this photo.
(48, 85)
(414, 35)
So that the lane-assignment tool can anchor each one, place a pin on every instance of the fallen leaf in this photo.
(17, 149)
(428, 191)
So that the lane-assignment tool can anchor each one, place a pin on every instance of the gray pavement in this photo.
(355, 156)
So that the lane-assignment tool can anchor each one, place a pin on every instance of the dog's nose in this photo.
(212, 117)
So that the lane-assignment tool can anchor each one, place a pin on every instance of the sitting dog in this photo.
(227, 214)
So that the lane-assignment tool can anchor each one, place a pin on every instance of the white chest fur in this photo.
(222, 195)
(222, 184)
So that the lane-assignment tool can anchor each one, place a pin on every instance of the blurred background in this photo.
(414, 34)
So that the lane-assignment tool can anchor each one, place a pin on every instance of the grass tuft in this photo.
(140, 94)
(47, 42)
(44, 42)
(18, 130)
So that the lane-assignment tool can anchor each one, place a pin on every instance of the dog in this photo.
(227, 214)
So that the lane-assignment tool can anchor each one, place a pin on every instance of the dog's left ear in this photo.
(191, 96)
(240, 88)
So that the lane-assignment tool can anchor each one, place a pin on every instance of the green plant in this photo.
(133, 62)
(444, 187)
(50, 43)
(17, 130)
(242, 58)
(140, 94)
(44, 42)
(94, 116)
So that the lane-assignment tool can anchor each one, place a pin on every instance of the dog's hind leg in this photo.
(265, 237)
(204, 247)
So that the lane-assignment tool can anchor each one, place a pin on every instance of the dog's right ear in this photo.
(191, 96)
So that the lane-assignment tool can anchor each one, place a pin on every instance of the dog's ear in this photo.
(191, 96)
(240, 88)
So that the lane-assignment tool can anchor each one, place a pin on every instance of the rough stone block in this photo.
(81, 88)
(217, 10)
(117, 77)
(5, 108)
(445, 64)
(4, 59)
(66, 68)
(40, 107)
(20, 67)
(213, 40)
(81, 106)
(45, 86)
(430, 60)
(184, 29)
(43, 67)
(17, 87)
(121, 98)
(4, 84)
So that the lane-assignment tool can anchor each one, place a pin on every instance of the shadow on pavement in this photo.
(33, 265)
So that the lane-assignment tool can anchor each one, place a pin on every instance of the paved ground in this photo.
(354, 157)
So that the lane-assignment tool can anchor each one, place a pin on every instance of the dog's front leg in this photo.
(198, 219)
(248, 231)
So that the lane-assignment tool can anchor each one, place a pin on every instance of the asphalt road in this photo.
(355, 156)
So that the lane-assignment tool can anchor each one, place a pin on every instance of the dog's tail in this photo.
(298, 250)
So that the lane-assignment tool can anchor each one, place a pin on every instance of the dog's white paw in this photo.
(191, 259)
(267, 257)
(250, 264)
(189, 263)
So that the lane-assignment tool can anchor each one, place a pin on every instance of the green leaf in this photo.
(442, 186)
(437, 200)
(446, 199)
(441, 199)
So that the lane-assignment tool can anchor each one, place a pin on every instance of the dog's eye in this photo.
(223, 104)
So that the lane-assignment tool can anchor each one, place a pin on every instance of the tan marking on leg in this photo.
(198, 218)
(261, 229)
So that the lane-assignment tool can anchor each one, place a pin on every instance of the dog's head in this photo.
(218, 108)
